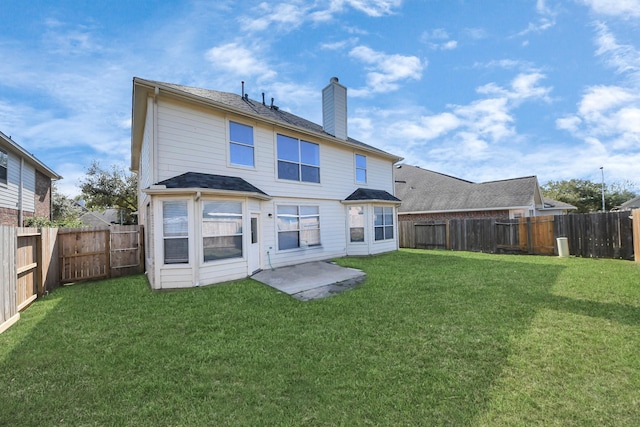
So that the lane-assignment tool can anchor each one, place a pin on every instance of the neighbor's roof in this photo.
(234, 103)
(196, 181)
(366, 194)
(422, 190)
(631, 204)
(22, 152)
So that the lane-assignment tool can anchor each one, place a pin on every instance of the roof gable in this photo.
(237, 104)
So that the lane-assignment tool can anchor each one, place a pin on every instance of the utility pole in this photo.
(602, 170)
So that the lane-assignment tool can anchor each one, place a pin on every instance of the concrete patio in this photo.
(312, 280)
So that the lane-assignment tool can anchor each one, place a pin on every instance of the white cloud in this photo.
(624, 58)
(546, 20)
(385, 72)
(621, 8)
(240, 61)
(438, 39)
(288, 16)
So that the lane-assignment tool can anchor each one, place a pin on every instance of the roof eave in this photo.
(39, 165)
(150, 86)
(204, 191)
(379, 201)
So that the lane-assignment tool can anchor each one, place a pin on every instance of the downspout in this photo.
(154, 177)
(21, 193)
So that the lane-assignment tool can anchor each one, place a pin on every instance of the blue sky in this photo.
(481, 90)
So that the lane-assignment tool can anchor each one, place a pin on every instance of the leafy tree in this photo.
(587, 195)
(115, 188)
(63, 209)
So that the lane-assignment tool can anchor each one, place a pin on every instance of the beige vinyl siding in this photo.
(332, 237)
(146, 161)
(10, 192)
(193, 139)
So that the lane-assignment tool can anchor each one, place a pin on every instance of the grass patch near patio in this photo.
(430, 338)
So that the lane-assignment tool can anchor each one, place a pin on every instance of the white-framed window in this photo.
(298, 160)
(361, 169)
(298, 226)
(4, 166)
(221, 230)
(383, 222)
(356, 224)
(175, 231)
(241, 144)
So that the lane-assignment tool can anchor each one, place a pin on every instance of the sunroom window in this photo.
(175, 229)
(383, 222)
(221, 230)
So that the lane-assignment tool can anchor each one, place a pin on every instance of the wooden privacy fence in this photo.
(597, 235)
(34, 261)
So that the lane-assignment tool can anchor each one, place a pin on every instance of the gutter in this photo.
(161, 190)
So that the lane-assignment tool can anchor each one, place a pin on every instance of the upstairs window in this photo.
(4, 166)
(298, 160)
(175, 230)
(383, 222)
(361, 169)
(241, 144)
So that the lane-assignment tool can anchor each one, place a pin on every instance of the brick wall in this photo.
(453, 215)
(43, 196)
(11, 217)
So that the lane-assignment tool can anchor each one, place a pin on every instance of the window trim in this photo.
(299, 229)
(241, 144)
(355, 162)
(299, 162)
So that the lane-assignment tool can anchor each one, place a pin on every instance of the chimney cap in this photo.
(333, 80)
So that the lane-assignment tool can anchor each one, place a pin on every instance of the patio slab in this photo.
(311, 280)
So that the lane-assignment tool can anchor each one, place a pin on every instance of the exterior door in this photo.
(254, 245)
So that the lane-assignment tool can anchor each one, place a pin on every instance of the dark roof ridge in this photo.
(438, 173)
(507, 179)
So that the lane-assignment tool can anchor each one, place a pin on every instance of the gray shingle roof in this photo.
(631, 204)
(423, 190)
(370, 194)
(213, 182)
(256, 108)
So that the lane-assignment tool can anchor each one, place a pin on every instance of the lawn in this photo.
(430, 338)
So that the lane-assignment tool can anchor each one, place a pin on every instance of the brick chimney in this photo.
(334, 109)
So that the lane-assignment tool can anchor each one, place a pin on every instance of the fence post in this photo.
(636, 235)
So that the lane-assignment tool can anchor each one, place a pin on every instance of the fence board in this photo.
(596, 235)
(9, 313)
(83, 254)
(27, 266)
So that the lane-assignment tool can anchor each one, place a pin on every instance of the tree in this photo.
(587, 195)
(63, 209)
(103, 189)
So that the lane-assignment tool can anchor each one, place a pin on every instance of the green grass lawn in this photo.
(430, 338)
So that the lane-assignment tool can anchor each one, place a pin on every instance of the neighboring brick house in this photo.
(25, 184)
(431, 196)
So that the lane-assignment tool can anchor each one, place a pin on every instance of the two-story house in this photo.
(229, 185)
(25, 184)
